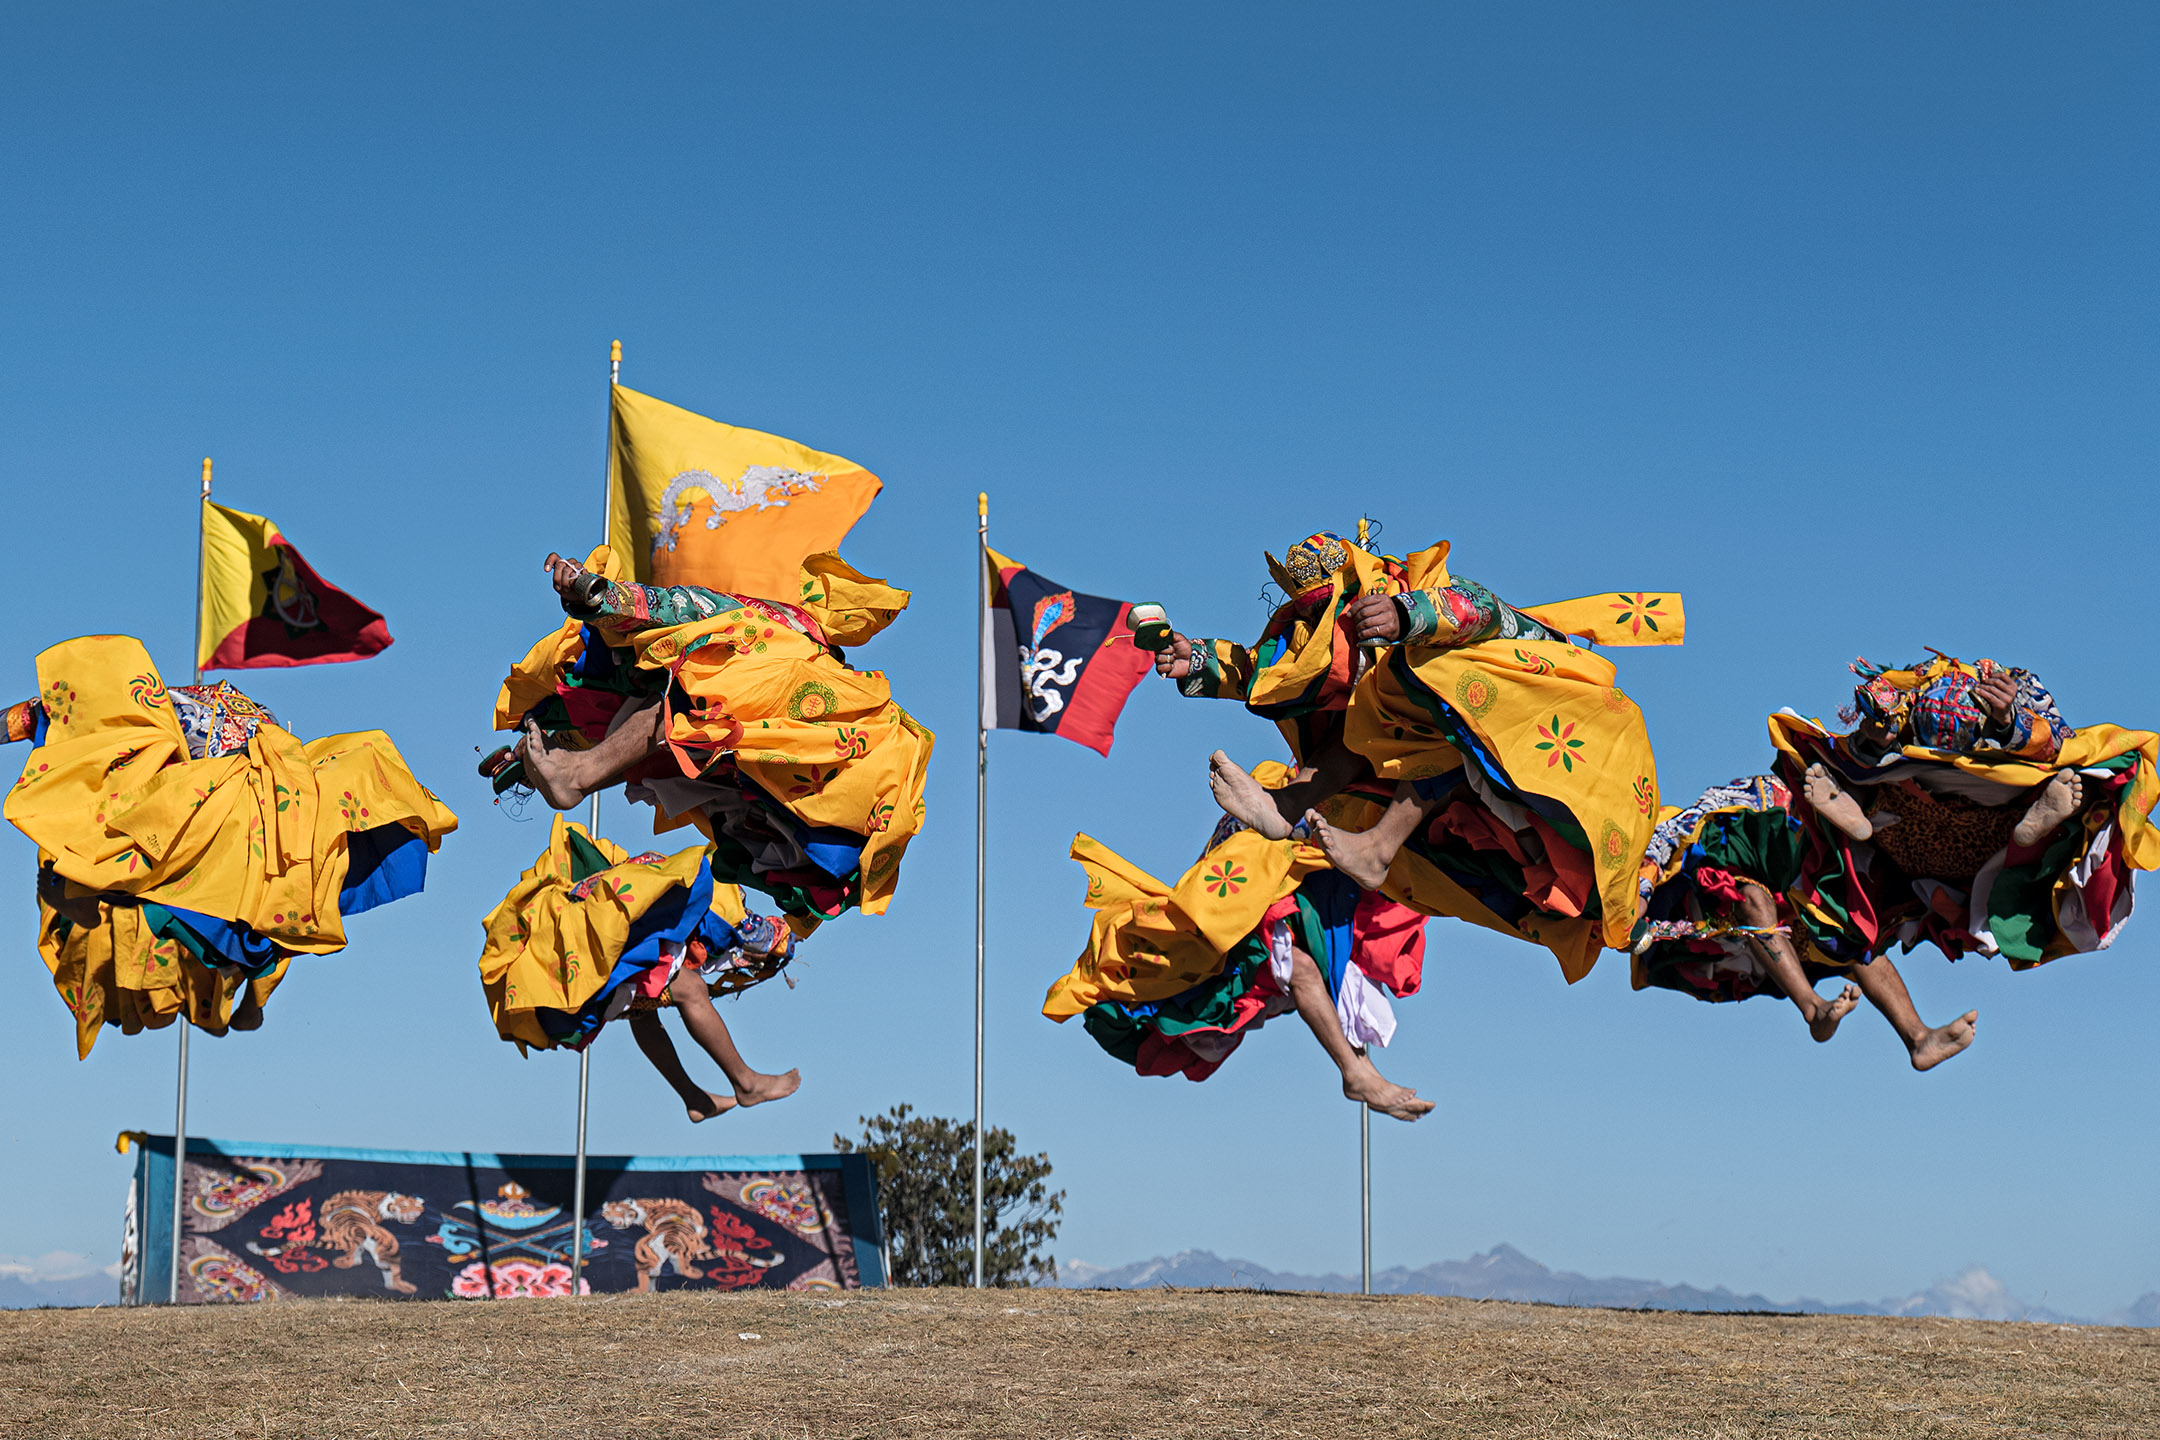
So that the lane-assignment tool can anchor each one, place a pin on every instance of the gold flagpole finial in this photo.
(982, 504)
(1364, 532)
(614, 353)
(206, 477)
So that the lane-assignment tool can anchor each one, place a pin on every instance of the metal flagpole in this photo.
(982, 812)
(1364, 540)
(180, 1090)
(1364, 1155)
(592, 825)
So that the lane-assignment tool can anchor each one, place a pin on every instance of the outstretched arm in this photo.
(1212, 669)
(622, 606)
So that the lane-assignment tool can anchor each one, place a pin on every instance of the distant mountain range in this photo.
(1505, 1273)
(1501, 1273)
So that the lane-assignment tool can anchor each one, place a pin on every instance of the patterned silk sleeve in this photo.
(2035, 730)
(1463, 614)
(1221, 670)
(627, 606)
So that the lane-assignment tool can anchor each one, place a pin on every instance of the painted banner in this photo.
(271, 1222)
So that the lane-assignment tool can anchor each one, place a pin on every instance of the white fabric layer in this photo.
(731, 812)
(1361, 1008)
(2076, 919)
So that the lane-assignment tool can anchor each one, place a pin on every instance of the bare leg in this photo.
(1360, 1080)
(1885, 989)
(1364, 855)
(1273, 812)
(2059, 800)
(1834, 805)
(752, 1087)
(1776, 953)
(565, 777)
(247, 1011)
(659, 1047)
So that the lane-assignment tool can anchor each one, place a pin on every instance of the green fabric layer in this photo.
(1209, 1004)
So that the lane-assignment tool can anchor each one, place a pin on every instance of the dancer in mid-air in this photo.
(1963, 810)
(590, 934)
(1409, 702)
(189, 846)
(1518, 783)
(1175, 977)
(1719, 921)
(1960, 810)
(736, 714)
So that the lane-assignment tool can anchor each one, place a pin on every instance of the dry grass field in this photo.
(1056, 1364)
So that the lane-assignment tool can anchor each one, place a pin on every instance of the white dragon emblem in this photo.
(1039, 670)
(759, 487)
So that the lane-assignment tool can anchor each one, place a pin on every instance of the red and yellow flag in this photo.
(263, 605)
(695, 502)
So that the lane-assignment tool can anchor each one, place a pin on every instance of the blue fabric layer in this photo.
(596, 664)
(213, 941)
(1333, 897)
(384, 864)
(836, 852)
(678, 915)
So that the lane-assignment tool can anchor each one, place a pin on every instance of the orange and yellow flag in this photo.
(694, 502)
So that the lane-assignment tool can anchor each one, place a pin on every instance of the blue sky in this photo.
(1838, 318)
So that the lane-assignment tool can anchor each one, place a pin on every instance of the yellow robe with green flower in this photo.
(1150, 941)
(1550, 715)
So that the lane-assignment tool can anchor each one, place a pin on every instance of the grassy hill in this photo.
(1055, 1364)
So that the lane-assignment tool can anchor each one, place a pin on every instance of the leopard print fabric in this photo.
(1939, 837)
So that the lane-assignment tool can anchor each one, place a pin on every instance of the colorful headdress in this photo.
(1876, 697)
(1930, 702)
(1308, 568)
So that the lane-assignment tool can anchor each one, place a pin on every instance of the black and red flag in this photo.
(1055, 661)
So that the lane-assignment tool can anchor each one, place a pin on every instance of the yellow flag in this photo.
(694, 502)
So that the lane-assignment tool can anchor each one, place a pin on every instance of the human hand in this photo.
(1175, 659)
(1997, 697)
(562, 573)
(1375, 617)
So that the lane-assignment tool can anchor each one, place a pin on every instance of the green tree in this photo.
(926, 1188)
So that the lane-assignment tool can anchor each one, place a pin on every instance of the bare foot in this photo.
(700, 1111)
(1827, 1015)
(1387, 1097)
(548, 771)
(768, 1087)
(1245, 798)
(1834, 805)
(2059, 800)
(1356, 853)
(1939, 1045)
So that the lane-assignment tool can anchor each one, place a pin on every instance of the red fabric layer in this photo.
(1388, 943)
